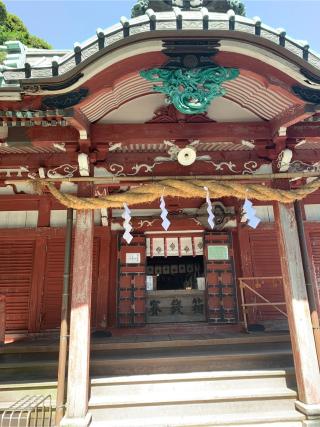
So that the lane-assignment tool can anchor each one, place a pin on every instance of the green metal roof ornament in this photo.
(190, 90)
(220, 6)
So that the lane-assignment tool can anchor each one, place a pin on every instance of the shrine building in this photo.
(160, 205)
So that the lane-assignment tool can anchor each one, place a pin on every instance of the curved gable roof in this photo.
(235, 33)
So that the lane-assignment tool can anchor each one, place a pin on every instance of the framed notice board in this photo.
(218, 252)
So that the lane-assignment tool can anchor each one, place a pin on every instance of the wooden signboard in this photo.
(176, 306)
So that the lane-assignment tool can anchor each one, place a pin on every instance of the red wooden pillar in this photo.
(103, 280)
(303, 346)
(79, 346)
(2, 318)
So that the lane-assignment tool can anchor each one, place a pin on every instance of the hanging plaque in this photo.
(132, 258)
(218, 253)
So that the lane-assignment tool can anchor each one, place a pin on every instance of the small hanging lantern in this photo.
(164, 214)
(253, 220)
(126, 224)
(209, 209)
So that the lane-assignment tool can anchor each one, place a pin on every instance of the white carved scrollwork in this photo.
(146, 223)
(63, 171)
(298, 166)
(249, 167)
(222, 165)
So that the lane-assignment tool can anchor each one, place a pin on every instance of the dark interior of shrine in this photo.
(174, 272)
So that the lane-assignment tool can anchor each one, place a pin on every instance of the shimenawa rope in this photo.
(148, 193)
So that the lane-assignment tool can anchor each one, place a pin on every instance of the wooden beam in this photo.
(157, 132)
(36, 160)
(303, 346)
(79, 347)
(291, 116)
(137, 180)
(308, 130)
(76, 119)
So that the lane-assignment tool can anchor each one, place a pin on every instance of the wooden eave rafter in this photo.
(292, 116)
(156, 133)
(27, 118)
(76, 119)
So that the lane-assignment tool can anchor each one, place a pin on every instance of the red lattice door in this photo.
(16, 271)
(220, 277)
(52, 292)
(132, 282)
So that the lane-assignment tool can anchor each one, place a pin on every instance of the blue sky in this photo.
(63, 22)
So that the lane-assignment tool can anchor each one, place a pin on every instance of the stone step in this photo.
(133, 342)
(187, 397)
(151, 387)
(258, 419)
(191, 362)
(139, 365)
(229, 409)
(138, 361)
(192, 384)
(114, 388)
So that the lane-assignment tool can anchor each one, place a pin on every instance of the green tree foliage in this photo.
(2, 57)
(12, 28)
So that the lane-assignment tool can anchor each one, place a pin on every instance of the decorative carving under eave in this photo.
(307, 94)
(29, 89)
(116, 169)
(190, 90)
(169, 114)
(298, 166)
(61, 171)
(310, 76)
(66, 100)
(146, 223)
(222, 215)
(248, 168)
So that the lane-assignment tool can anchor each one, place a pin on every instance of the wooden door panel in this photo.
(16, 271)
(132, 283)
(221, 281)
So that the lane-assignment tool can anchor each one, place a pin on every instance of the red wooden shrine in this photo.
(91, 122)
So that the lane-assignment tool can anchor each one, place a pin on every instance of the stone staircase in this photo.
(193, 382)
